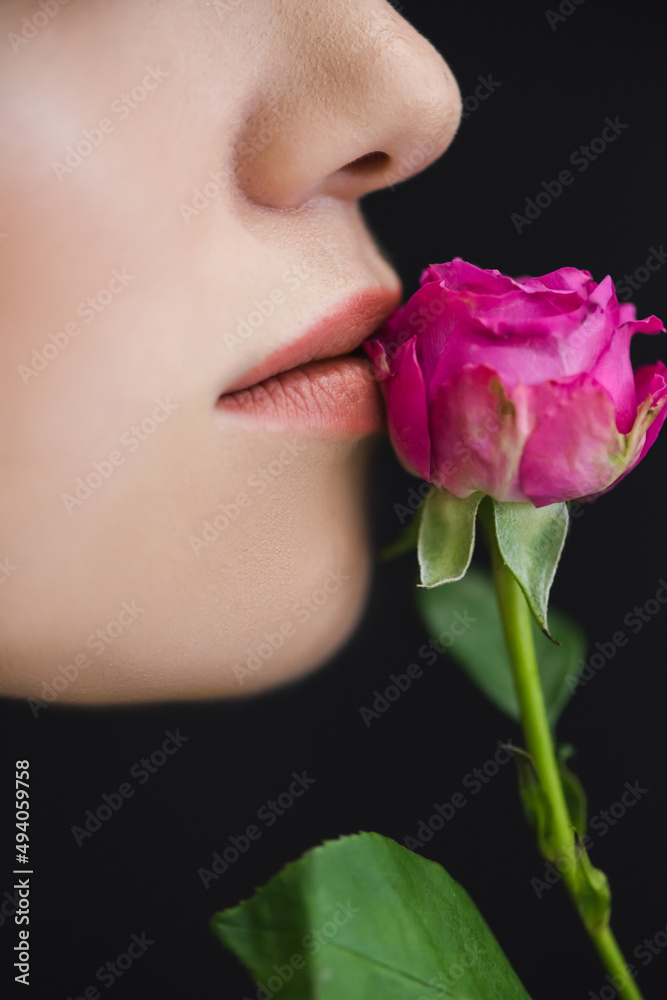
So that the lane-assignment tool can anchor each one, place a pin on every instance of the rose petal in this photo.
(458, 273)
(564, 278)
(430, 316)
(405, 396)
(477, 436)
(651, 390)
(651, 387)
(575, 447)
(377, 352)
(455, 326)
(553, 349)
(613, 370)
(628, 313)
(507, 304)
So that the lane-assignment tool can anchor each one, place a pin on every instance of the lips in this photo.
(315, 383)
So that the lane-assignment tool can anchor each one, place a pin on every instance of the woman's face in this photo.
(179, 186)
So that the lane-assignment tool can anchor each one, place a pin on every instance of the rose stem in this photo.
(517, 627)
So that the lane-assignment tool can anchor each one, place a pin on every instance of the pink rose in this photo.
(521, 388)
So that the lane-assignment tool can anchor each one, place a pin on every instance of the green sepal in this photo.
(575, 796)
(531, 541)
(591, 888)
(446, 537)
(536, 805)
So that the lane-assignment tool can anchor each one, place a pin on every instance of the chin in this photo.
(280, 654)
(288, 647)
(265, 609)
(276, 660)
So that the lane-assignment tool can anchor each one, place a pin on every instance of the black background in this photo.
(139, 872)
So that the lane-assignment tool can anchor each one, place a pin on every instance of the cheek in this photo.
(190, 571)
(113, 208)
(152, 556)
(148, 546)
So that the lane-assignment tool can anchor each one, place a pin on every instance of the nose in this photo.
(361, 101)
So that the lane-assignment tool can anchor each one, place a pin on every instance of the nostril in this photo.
(369, 163)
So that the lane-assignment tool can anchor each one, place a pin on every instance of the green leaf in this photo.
(446, 537)
(463, 617)
(531, 540)
(362, 917)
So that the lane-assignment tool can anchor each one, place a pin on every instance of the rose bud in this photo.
(520, 388)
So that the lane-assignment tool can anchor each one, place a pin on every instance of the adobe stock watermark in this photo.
(566, 9)
(130, 440)
(222, 7)
(98, 642)
(88, 310)
(600, 824)
(247, 150)
(7, 569)
(121, 108)
(316, 938)
(644, 952)
(108, 973)
(633, 282)
(31, 26)
(635, 620)
(581, 158)
(577, 508)
(142, 770)
(268, 814)
(246, 326)
(400, 683)
(302, 612)
(201, 197)
(411, 162)
(257, 483)
(445, 811)
(485, 87)
(9, 906)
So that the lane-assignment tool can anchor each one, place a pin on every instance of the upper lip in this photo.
(342, 329)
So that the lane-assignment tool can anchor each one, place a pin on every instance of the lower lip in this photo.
(336, 395)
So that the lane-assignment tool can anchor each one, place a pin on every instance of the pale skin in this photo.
(164, 166)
